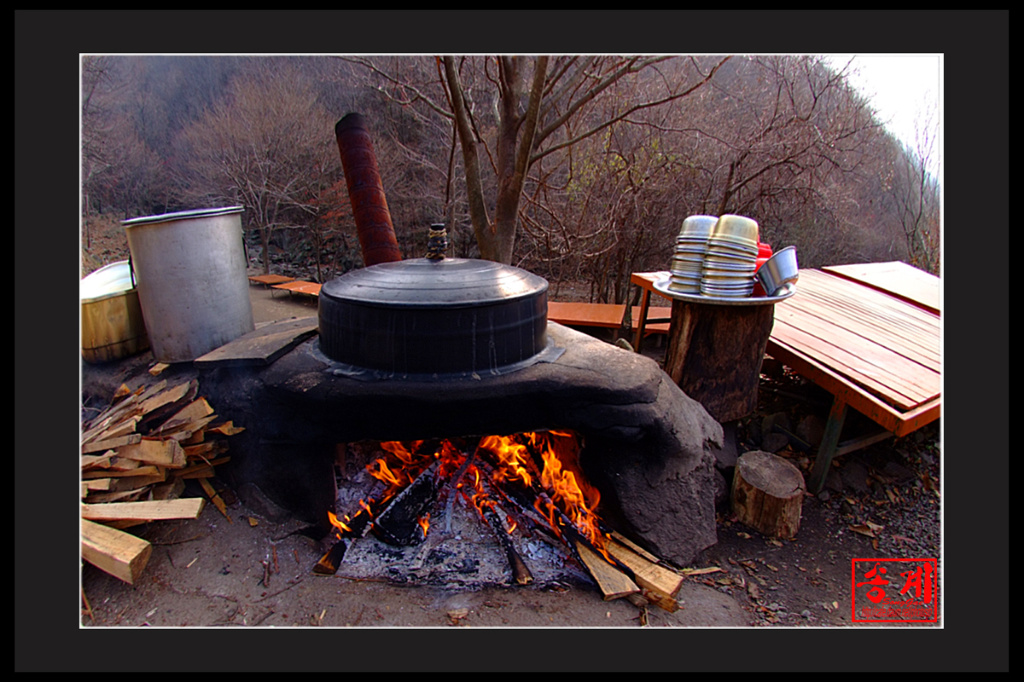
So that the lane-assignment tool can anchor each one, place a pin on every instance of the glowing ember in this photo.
(541, 468)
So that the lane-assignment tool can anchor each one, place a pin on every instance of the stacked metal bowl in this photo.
(691, 248)
(731, 258)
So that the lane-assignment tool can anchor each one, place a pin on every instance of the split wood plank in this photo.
(143, 470)
(215, 498)
(164, 452)
(183, 431)
(112, 429)
(120, 554)
(119, 496)
(612, 582)
(150, 510)
(106, 444)
(664, 583)
(623, 540)
(166, 397)
(226, 429)
(98, 461)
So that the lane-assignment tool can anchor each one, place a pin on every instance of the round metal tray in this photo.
(662, 287)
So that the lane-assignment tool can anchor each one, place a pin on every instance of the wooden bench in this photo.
(270, 280)
(608, 316)
(300, 287)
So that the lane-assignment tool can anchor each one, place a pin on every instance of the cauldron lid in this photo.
(427, 283)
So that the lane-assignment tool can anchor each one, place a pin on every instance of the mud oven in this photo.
(456, 351)
(442, 355)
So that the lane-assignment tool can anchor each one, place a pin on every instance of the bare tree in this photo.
(267, 146)
(510, 112)
(915, 195)
(774, 139)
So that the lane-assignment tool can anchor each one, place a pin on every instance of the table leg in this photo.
(827, 449)
(645, 303)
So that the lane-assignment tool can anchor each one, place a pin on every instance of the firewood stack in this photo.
(136, 456)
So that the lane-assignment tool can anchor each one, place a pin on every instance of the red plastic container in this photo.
(764, 252)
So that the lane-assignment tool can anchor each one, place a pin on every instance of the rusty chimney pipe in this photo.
(366, 192)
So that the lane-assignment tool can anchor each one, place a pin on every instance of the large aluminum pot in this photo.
(190, 270)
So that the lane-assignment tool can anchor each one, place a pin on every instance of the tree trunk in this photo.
(768, 494)
(715, 353)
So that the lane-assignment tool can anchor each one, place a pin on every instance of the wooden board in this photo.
(261, 346)
(298, 287)
(120, 554)
(897, 278)
(155, 510)
(612, 582)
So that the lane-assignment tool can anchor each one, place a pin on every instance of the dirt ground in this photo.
(251, 572)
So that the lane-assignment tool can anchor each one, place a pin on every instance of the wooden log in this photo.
(768, 494)
(715, 353)
(155, 510)
(120, 554)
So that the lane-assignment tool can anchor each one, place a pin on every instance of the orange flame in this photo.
(512, 455)
(424, 524)
(549, 459)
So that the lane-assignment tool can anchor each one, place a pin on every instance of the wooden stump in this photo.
(715, 353)
(768, 494)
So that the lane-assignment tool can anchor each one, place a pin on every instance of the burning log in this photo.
(513, 481)
(401, 522)
(329, 562)
(520, 572)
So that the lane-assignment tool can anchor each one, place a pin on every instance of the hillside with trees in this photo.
(580, 168)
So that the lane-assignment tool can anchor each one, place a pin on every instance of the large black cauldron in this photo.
(434, 317)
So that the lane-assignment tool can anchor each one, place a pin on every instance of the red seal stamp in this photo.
(895, 591)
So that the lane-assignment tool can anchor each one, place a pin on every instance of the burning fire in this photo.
(537, 470)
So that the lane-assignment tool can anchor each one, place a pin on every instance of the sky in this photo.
(906, 90)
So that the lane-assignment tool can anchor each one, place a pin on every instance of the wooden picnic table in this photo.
(873, 350)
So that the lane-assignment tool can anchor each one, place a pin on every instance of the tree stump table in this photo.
(715, 349)
(768, 494)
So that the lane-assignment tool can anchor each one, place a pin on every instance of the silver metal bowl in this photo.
(779, 271)
(698, 227)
